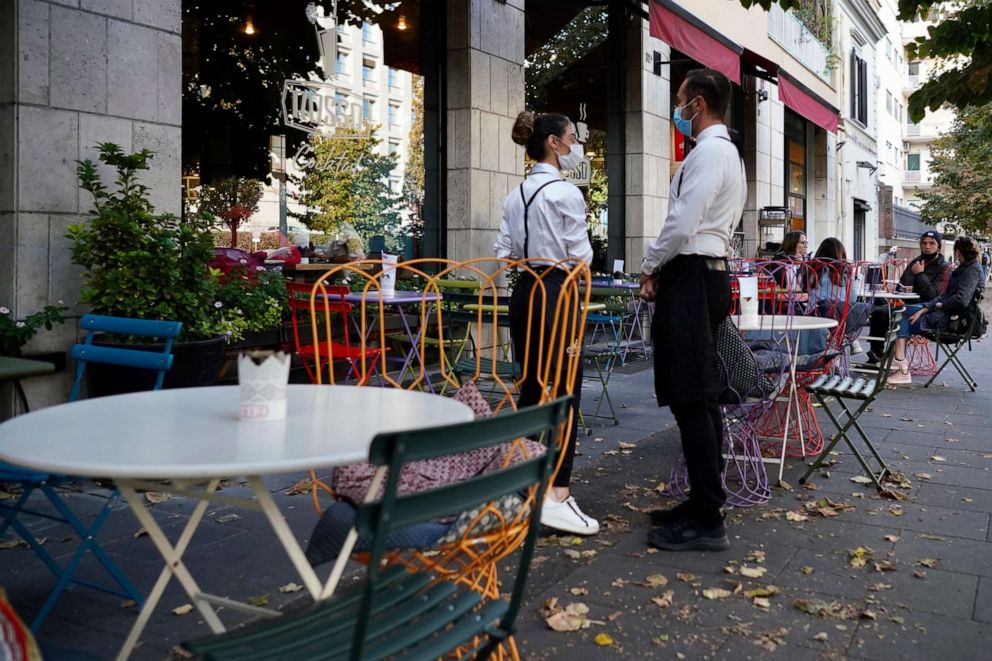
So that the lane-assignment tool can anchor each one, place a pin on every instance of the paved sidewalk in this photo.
(894, 605)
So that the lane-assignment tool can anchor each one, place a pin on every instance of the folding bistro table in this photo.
(193, 438)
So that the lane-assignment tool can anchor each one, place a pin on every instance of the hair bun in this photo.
(523, 128)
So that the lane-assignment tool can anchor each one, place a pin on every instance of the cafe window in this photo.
(796, 169)
(393, 147)
(392, 78)
(393, 114)
(368, 71)
(913, 162)
(368, 108)
(342, 64)
(366, 33)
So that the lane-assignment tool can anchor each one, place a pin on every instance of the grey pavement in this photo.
(924, 590)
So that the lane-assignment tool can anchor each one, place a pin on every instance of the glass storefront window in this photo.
(796, 168)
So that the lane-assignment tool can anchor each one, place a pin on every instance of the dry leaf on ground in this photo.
(578, 592)
(928, 562)
(769, 591)
(656, 581)
(290, 587)
(716, 593)
(665, 600)
(756, 556)
(183, 610)
(827, 609)
(153, 497)
(859, 556)
(603, 639)
(752, 572)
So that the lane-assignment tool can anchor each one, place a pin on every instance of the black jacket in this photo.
(961, 287)
(930, 283)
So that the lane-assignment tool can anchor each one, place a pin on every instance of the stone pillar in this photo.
(485, 93)
(824, 202)
(648, 143)
(886, 221)
(75, 73)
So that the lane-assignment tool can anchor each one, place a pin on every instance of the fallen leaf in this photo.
(290, 587)
(859, 556)
(796, 516)
(927, 535)
(919, 574)
(129, 603)
(895, 510)
(897, 620)
(619, 582)
(826, 609)
(626, 446)
(259, 601)
(665, 600)
(662, 638)
(572, 553)
(878, 587)
(716, 593)
(578, 592)
(784, 485)
(656, 581)
(807, 570)
(868, 615)
(892, 538)
(937, 458)
(884, 565)
(769, 591)
(183, 610)
(967, 500)
(686, 577)
(154, 497)
(752, 572)
(11, 544)
(861, 479)
(227, 518)
(603, 640)
(822, 636)
(661, 487)
(570, 618)
(923, 476)
(756, 556)
(928, 562)
(762, 602)
(614, 615)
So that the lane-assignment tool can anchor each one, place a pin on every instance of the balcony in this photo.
(911, 177)
(787, 31)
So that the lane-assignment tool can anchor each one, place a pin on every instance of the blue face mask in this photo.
(683, 125)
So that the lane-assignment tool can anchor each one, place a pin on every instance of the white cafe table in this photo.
(193, 438)
(889, 295)
(780, 323)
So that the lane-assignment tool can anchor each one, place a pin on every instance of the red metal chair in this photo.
(331, 351)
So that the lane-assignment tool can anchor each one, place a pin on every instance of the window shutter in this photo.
(854, 84)
(863, 92)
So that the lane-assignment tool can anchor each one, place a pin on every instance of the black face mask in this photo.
(929, 258)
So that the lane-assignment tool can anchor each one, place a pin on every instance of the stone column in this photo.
(75, 73)
(648, 142)
(485, 93)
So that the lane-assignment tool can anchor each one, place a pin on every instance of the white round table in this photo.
(196, 433)
(891, 295)
(786, 324)
(194, 438)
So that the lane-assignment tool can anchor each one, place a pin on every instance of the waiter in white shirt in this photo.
(685, 272)
(545, 216)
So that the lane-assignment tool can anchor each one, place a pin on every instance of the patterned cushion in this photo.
(16, 641)
(506, 509)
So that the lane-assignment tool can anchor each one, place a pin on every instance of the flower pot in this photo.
(194, 364)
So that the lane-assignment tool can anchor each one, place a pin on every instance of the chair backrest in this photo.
(300, 299)
(87, 352)
(888, 349)
(378, 520)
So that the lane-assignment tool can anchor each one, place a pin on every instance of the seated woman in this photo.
(933, 315)
(834, 291)
(789, 277)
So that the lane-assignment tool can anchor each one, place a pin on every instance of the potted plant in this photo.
(233, 200)
(144, 265)
(254, 304)
(15, 333)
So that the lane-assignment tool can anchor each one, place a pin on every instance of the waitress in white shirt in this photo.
(545, 216)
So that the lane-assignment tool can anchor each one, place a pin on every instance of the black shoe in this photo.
(688, 534)
(669, 516)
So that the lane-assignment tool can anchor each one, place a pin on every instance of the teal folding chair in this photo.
(396, 612)
(46, 483)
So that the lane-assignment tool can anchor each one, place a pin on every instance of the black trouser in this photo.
(700, 422)
(539, 344)
(878, 326)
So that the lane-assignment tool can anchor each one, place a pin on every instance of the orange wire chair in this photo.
(473, 558)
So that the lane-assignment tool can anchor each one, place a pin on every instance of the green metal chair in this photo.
(863, 391)
(401, 614)
(960, 334)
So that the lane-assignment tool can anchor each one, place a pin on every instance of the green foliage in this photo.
(573, 42)
(249, 302)
(961, 195)
(348, 183)
(15, 333)
(140, 264)
(818, 17)
(231, 200)
(412, 196)
(962, 46)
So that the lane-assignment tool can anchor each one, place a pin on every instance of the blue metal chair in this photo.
(46, 483)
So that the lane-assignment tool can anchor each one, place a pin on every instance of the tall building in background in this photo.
(904, 153)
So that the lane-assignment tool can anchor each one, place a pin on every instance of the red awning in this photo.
(804, 101)
(683, 31)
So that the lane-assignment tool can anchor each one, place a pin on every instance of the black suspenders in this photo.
(527, 204)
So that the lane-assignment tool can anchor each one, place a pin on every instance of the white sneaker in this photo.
(567, 516)
(900, 375)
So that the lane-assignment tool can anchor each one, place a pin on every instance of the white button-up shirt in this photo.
(556, 220)
(707, 197)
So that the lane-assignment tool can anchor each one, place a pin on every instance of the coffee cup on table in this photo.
(262, 378)
(387, 281)
(748, 289)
